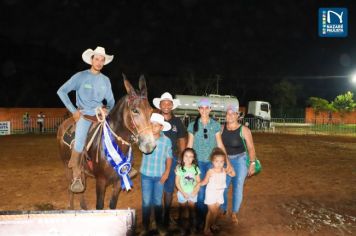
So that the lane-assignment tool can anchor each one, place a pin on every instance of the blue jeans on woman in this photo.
(201, 208)
(152, 191)
(238, 162)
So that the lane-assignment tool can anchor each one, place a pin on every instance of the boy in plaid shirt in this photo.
(154, 170)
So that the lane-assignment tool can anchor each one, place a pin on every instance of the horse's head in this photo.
(137, 114)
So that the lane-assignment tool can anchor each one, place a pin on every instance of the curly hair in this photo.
(194, 162)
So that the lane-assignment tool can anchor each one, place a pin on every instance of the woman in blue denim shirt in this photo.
(237, 156)
(203, 136)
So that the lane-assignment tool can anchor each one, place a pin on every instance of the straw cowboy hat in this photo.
(166, 96)
(158, 118)
(87, 54)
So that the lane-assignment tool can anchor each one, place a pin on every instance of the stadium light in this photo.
(353, 78)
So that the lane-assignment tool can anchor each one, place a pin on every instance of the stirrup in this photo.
(77, 186)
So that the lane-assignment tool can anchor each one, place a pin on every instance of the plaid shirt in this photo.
(154, 164)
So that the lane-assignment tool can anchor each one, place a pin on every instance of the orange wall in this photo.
(323, 117)
(17, 113)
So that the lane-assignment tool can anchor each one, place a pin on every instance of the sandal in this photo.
(234, 219)
(215, 228)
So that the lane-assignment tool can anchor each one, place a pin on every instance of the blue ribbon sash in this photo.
(120, 162)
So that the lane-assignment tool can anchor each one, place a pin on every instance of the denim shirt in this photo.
(91, 89)
(204, 146)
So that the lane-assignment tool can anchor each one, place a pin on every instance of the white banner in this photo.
(5, 128)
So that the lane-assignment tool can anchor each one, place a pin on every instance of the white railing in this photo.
(51, 124)
(276, 125)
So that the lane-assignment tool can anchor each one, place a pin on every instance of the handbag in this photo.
(258, 166)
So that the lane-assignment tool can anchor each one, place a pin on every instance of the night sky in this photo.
(249, 45)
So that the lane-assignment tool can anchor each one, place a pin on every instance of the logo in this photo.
(333, 22)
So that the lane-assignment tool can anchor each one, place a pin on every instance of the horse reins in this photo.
(101, 120)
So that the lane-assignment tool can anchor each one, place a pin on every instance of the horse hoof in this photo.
(77, 186)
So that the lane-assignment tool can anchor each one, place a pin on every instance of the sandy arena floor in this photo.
(307, 186)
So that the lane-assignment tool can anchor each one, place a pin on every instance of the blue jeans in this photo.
(170, 182)
(81, 133)
(238, 162)
(201, 208)
(152, 191)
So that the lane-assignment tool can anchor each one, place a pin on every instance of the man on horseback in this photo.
(91, 87)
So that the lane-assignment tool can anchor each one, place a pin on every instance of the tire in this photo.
(258, 124)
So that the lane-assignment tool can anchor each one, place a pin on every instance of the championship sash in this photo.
(114, 155)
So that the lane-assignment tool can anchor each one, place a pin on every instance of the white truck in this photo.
(258, 115)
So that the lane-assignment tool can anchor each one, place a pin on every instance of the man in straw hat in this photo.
(166, 104)
(91, 87)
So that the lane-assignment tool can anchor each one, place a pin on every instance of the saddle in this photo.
(69, 134)
(69, 138)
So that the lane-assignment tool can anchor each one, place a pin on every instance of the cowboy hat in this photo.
(158, 118)
(166, 96)
(87, 55)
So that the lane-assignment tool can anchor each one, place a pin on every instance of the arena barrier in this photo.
(68, 222)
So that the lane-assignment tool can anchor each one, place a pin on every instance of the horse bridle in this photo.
(138, 132)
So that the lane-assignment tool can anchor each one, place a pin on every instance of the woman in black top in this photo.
(237, 155)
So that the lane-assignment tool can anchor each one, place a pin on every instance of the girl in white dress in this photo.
(216, 184)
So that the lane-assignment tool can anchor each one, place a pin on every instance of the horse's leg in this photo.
(68, 174)
(115, 194)
(83, 203)
(100, 192)
(71, 200)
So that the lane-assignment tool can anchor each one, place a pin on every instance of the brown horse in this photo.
(129, 120)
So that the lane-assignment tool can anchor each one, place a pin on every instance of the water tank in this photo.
(218, 102)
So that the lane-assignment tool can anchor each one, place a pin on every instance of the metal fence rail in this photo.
(51, 125)
(299, 126)
(276, 125)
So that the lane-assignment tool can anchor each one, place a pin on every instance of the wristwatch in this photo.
(253, 163)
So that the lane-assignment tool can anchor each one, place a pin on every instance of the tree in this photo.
(344, 103)
(319, 105)
(284, 95)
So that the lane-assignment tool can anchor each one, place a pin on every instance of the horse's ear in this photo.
(129, 89)
(142, 86)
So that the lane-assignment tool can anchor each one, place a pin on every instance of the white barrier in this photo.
(5, 128)
(79, 223)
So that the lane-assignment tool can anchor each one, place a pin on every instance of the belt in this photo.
(90, 118)
(237, 155)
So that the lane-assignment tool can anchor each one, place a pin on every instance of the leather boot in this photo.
(74, 163)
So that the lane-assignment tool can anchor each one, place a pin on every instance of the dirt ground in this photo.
(307, 185)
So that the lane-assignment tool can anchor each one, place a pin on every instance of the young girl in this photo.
(187, 179)
(216, 183)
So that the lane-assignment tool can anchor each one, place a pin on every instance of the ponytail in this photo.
(196, 124)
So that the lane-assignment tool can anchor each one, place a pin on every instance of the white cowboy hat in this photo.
(166, 96)
(87, 55)
(158, 118)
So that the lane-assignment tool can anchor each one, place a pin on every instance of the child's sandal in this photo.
(234, 219)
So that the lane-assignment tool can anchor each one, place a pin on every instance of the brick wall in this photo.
(323, 117)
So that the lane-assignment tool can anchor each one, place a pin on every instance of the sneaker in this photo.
(143, 233)
(162, 231)
(77, 186)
